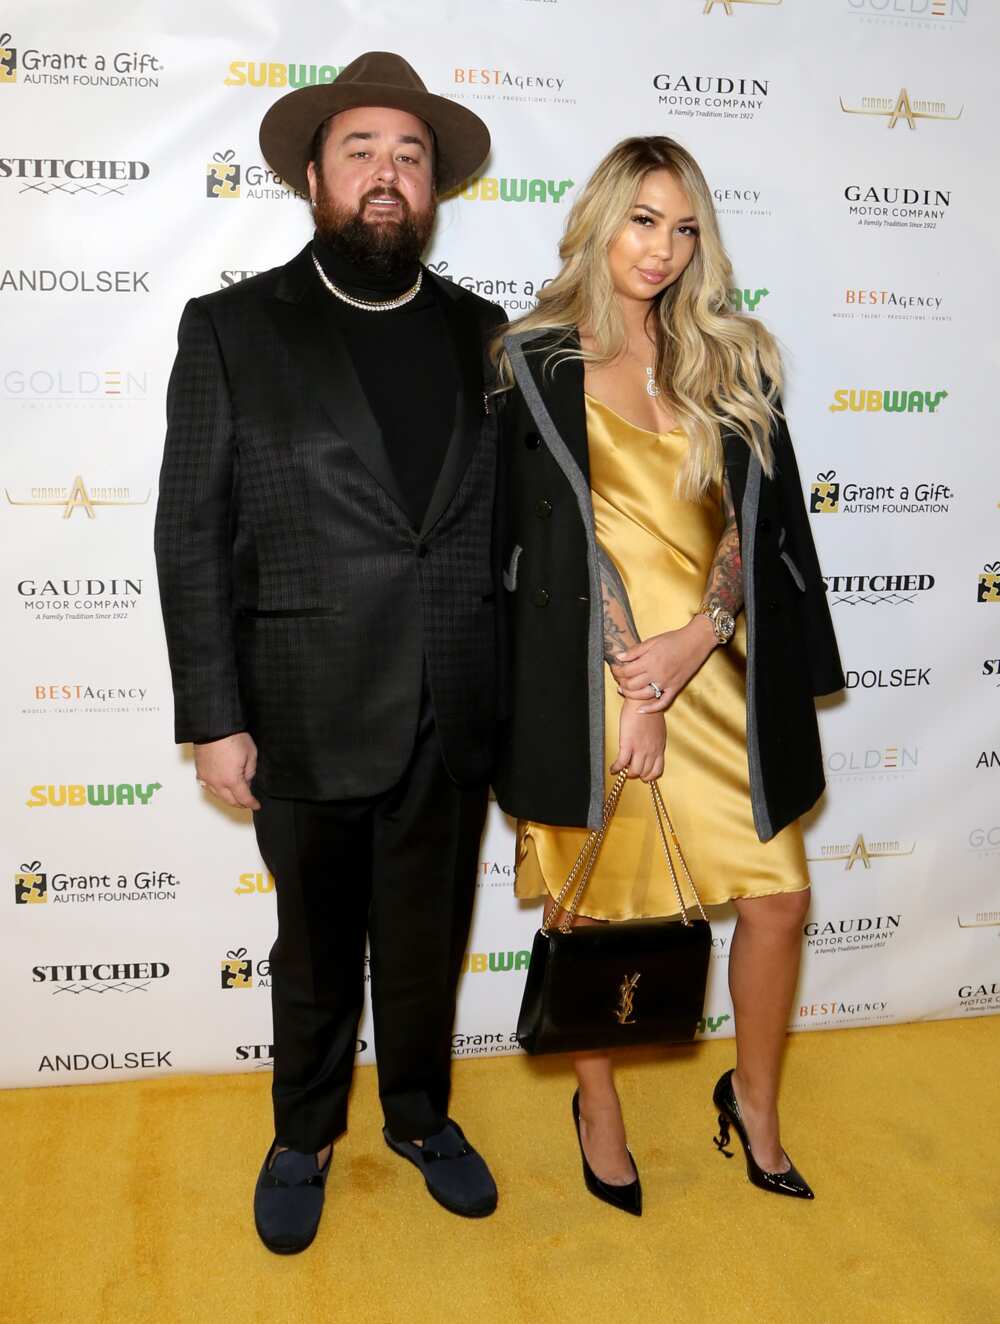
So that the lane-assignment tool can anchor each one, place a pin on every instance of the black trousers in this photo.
(400, 867)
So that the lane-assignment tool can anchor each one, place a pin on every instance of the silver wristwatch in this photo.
(723, 622)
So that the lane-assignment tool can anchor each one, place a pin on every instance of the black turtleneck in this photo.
(406, 364)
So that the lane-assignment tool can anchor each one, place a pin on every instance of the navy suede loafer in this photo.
(288, 1200)
(456, 1175)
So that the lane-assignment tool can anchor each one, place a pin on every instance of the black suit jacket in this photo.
(300, 603)
(551, 759)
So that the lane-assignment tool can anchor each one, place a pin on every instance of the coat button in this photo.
(532, 440)
(421, 550)
(543, 509)
(765, 525)
(540, 597)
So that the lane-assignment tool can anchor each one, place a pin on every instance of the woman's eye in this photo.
(692, 230)
(643, 220)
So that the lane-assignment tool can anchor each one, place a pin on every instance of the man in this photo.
(326, 571)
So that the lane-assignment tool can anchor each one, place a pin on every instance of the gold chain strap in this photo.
(589, 851)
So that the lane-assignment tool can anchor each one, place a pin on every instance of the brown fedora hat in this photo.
(377, 78)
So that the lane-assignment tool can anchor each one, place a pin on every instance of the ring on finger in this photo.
(657, 692)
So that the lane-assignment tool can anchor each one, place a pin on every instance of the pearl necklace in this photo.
(370, 305)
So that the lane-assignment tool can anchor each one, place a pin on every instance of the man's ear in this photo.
(311, 176)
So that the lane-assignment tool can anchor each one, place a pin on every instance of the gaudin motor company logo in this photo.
(903, 108)
(860, 851)
(77, 497)
(872, 305)
(239, 970)
(271, 73)
(988, 588)
(890, 590)
(72, 176)
(863, 932)
(524, 85)
(80, 599)
(927, 15)
(63, 68)
(711, 96)
(894, 207)
(33, 884)
(829, 495)
(979, 998)
(227, 180)
(521, 188)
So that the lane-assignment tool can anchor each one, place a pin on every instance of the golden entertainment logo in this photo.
(860, 852)
(901, 108)
(78, 497)
(727, 5)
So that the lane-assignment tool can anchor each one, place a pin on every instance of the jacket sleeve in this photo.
(826, 673)
(194, 534)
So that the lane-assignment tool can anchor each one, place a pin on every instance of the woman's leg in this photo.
(763, 972)
(602, 1129)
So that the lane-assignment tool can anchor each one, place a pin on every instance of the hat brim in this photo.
(287, 130)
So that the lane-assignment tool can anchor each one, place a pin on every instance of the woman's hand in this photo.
(641, 741)
(669, 660)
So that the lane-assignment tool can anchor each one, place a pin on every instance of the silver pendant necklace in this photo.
(651, 386)
(371, 305)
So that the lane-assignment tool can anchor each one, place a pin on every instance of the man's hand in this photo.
(226, 767)
(641, 740)
(669, 660)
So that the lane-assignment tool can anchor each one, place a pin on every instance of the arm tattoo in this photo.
(725, 579)
(619, 627)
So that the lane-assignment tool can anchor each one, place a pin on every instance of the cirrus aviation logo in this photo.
(860, 851)
(77, 497)
(902, 107)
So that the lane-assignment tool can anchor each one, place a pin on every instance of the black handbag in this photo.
(603, 986)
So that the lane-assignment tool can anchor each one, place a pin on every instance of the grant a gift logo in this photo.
(729, 6)
(988, 588)
(902, 107)
(8, 60)
(489, 188)
(30, 885)
(746, 299)
(830, 496)
(69, 177)
(488, 1044)
(891, 590)
(269, 73)
(711, 96)
(101, 977)
(77, 497)
(864, 933)
(92, 795)
(859, 851)
(869, 400)
(515, 294)
(498, 963)
(222, 176)
(238, 970)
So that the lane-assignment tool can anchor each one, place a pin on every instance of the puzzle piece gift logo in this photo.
(989, 583)
(222, 176)
(30, 885)
(824, 494)
(8, 60)
(237, 969)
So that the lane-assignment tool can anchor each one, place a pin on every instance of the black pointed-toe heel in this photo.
(780, 1183)
(627, 1198)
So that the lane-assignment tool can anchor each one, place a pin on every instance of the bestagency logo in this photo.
(712, 96)
(892, 207)
(77, 497)
(727, 6)
(746, 299)
(889, 763)
(102, 977)
(988, 589)
(238, 970)
(508, 85)
(740, 202)
(929, 15)
(31, 885)
(868, 932)
(487, 188)
(264, 73)
(879, 401)
(493, 873)
(890, 306)
(59, 386)
(860, 852)
(478, 963)
(837, 1011)
(254, 884)
(73, 176)
(225, 179)
(830, 496)
(80, 599)
(876, 590)
(92, 795)
(75, 697)
(63, 68)
(484, 1045)
(902, 108)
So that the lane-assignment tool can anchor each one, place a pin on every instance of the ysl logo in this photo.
(626, 1000)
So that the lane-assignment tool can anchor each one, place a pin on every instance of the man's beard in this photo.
(386, 247)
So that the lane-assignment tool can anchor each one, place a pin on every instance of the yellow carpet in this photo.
(131, 1202)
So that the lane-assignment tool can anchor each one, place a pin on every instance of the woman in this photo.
(655, 523)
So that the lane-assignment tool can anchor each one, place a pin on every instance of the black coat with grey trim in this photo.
(551, 766)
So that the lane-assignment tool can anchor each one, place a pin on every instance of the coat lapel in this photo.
(320, 349)
(559, 382)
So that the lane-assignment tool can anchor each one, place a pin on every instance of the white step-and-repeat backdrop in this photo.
(851, 148)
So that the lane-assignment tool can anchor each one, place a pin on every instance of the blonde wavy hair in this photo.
(715, 366)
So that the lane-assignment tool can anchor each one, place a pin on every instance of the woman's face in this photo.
(657, 241)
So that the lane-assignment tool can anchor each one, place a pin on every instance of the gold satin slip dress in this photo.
(663, 547)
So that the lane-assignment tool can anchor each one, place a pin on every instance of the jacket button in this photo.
(532, 440)
(540, 597)
(421, 550)
(765, 525)
(543, 509)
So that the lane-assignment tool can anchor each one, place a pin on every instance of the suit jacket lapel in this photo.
(559, 382)
(329, 371)
(467, 342)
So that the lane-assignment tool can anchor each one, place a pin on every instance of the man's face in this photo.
(373, 188)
